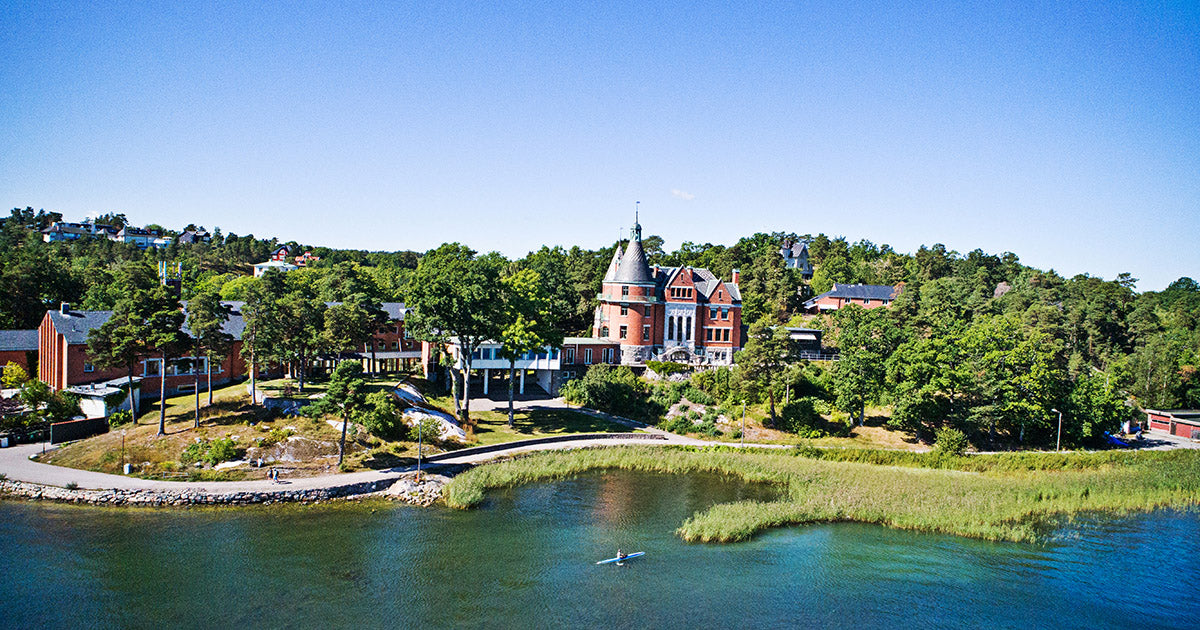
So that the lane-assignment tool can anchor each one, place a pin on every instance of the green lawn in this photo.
(492, 426)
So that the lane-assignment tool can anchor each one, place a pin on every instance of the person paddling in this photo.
(620, 556)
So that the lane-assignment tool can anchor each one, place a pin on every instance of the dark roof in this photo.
(859, 292)
(633, 268)
(705, 281)
(16, 340)
(74, 326)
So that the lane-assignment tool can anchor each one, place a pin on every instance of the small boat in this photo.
(628, 557)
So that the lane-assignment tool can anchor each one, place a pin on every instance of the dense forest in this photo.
(978, 341)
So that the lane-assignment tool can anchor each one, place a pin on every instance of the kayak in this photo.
(632, 555)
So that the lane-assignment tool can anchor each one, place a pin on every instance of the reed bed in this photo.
(1001, 497)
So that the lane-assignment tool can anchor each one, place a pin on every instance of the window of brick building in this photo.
(624, 310)
(624, 332)
(645, 333)
(624, 291)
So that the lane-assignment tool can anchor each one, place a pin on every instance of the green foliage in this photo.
(910, 490)
(667, 368)
(950, 442)
(697, 396)
(212, 452)
(381, 417)
(613, 389)
(119, 419)
(14, 376)
(800, 417)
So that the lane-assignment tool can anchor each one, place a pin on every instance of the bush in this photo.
(697, 396)
(119, 418)
(221, 450)
(666, 368)
(950, 442)
(380, 415)
(613, 389)
(800, 417)
(211, 451)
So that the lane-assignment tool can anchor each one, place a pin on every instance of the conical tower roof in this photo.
(613, 265)
(633, 268)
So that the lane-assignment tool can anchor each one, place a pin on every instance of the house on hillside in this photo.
(20, 347)
(141, 237)
(190, 237)
(307, 257)
(67, 231)
(264, 267)
(864, 295)
(795, 256)
(280, 254)
(682, 314)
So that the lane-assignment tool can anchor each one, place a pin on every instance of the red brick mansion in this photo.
(683, 314)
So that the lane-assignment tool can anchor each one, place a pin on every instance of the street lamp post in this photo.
(1058, 443)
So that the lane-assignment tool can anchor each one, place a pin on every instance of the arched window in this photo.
(689, 329)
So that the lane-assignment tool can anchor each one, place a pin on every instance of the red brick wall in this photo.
(639, 313)
(14, 356)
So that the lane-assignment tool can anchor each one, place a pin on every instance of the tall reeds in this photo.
(997, 497)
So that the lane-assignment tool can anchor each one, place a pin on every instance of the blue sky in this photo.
(1067, 133)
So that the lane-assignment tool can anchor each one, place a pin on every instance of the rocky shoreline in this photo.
(404, 489)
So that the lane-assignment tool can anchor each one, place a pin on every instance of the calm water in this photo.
(526, 560)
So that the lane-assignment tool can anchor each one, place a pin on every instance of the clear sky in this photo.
(1067, 133)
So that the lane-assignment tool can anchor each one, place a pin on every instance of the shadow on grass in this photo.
(530, 421)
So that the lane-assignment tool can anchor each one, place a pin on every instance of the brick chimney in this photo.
(736, 276)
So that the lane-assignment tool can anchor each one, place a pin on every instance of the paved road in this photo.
(16, 465)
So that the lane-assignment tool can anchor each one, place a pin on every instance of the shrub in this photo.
(380, 415)
(614, 389)
(72, 486)
(221, 450)
(697, 396)
(950, 442)
(800, 417)
(119, 418)
(666, 368)
(211, 451)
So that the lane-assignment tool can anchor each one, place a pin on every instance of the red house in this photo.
(20, 347)
(683, 314)
(865, 295)
(1184, 423)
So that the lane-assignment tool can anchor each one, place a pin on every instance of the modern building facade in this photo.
(682, 314)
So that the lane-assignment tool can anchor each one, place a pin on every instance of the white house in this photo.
(262, 267)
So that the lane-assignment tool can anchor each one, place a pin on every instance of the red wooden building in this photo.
(1180, 422)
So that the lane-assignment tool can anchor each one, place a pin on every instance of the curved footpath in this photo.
(24, 477)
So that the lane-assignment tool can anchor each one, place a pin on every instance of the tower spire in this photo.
(636, 232)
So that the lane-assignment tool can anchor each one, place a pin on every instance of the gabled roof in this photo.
(859, 292)
(17, 340)
(74, 326)
(705, 281)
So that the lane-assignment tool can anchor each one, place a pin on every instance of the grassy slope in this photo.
(1007, 497)
(232, 413)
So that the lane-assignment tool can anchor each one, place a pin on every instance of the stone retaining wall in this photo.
(167, 497)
